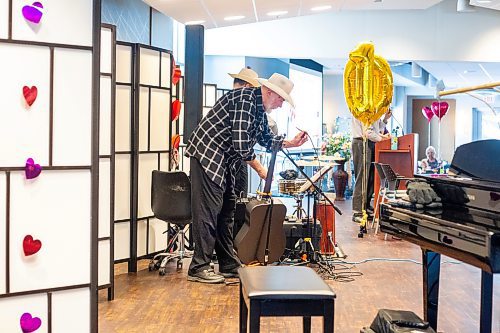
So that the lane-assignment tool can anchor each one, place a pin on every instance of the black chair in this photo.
(171, 202)
(392, 178)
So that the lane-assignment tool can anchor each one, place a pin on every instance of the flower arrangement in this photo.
(337, 144)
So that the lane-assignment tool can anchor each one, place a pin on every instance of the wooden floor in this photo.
(147, 302)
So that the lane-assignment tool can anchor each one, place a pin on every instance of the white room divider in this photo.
(107, 159)
(142, 127)
(49, 103)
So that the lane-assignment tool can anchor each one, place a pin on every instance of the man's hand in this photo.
(388, 115)
(297, 141)
(386, 136)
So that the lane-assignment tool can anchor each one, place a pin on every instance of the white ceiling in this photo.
(462, 74)
(213, 12)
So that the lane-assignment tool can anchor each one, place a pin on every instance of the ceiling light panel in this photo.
(266, 6)
(321, 8)
(307, 5)
(182, 10)
(220, 9)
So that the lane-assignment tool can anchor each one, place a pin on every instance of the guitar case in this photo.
(250, 242)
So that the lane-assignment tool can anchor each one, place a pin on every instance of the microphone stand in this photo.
(316, 191)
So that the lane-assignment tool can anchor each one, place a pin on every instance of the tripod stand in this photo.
(314, 190)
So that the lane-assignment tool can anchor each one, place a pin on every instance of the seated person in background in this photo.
(431, 162)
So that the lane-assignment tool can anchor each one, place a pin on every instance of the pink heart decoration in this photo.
(29, 324)
(32, 170)
(427, 112)
(30, 94)
(439, 109)
(33, 13)
(30, 245)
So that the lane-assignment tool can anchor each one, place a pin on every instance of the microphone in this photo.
(401, 126)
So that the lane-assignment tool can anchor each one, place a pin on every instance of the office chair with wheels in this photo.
(171, 202)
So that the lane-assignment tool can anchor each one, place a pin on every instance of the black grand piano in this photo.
(467, 228)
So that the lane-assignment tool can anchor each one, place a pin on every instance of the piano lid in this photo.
(478, 159)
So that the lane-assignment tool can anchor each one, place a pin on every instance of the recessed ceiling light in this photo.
(319, 8)
(467, 71)
(194, 22)
(277, 13)
(234, 18)
(483, 1)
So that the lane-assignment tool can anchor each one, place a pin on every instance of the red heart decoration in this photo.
(176, 76)
(176, 110)
(31, 246)
(30, 94)
(427, 112)
(440, 109)
(176, 141)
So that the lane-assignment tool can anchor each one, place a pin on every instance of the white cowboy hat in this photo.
(281, 85)
(247, 75)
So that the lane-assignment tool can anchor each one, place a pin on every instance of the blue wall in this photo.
(265, 67)
(216, 69)
(132, 19)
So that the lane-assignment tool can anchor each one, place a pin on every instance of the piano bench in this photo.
(271, 291)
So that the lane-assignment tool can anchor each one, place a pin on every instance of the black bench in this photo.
(271, 291)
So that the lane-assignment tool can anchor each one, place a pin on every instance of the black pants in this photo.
(213, 211)
(357, 158)
(241, 182)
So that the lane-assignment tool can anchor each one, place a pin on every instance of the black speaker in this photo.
(193, 79)
(294, 231)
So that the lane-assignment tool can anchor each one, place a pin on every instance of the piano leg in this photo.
(486, 302)
(431, 264)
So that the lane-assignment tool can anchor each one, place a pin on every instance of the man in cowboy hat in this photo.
(225, 135)
(247, 78)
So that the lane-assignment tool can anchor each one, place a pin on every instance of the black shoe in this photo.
(232, 273)
(205, 276)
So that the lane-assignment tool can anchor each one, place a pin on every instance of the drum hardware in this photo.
(314, 163)
(312, 189)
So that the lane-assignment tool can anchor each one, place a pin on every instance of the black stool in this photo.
(271, 291)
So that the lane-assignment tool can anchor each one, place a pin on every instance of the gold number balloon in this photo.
(368, 84)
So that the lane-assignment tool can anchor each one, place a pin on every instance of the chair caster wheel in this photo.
(151, 266)
(179, 265)
(162, 271)
(360, 235)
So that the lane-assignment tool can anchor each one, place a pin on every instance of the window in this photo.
(308, 114)
(485, 124)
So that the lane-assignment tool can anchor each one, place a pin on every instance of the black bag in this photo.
(398, 321)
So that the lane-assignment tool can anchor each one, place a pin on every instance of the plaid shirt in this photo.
(228, 133)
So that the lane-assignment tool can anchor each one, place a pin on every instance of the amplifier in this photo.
(295, 230)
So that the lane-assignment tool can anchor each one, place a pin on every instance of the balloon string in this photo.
(364, 182)
(429, 134)
(439, 130)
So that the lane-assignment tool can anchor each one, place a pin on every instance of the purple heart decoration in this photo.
(33, 13)
(32, 170)
(427, 112)
(29, 324)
